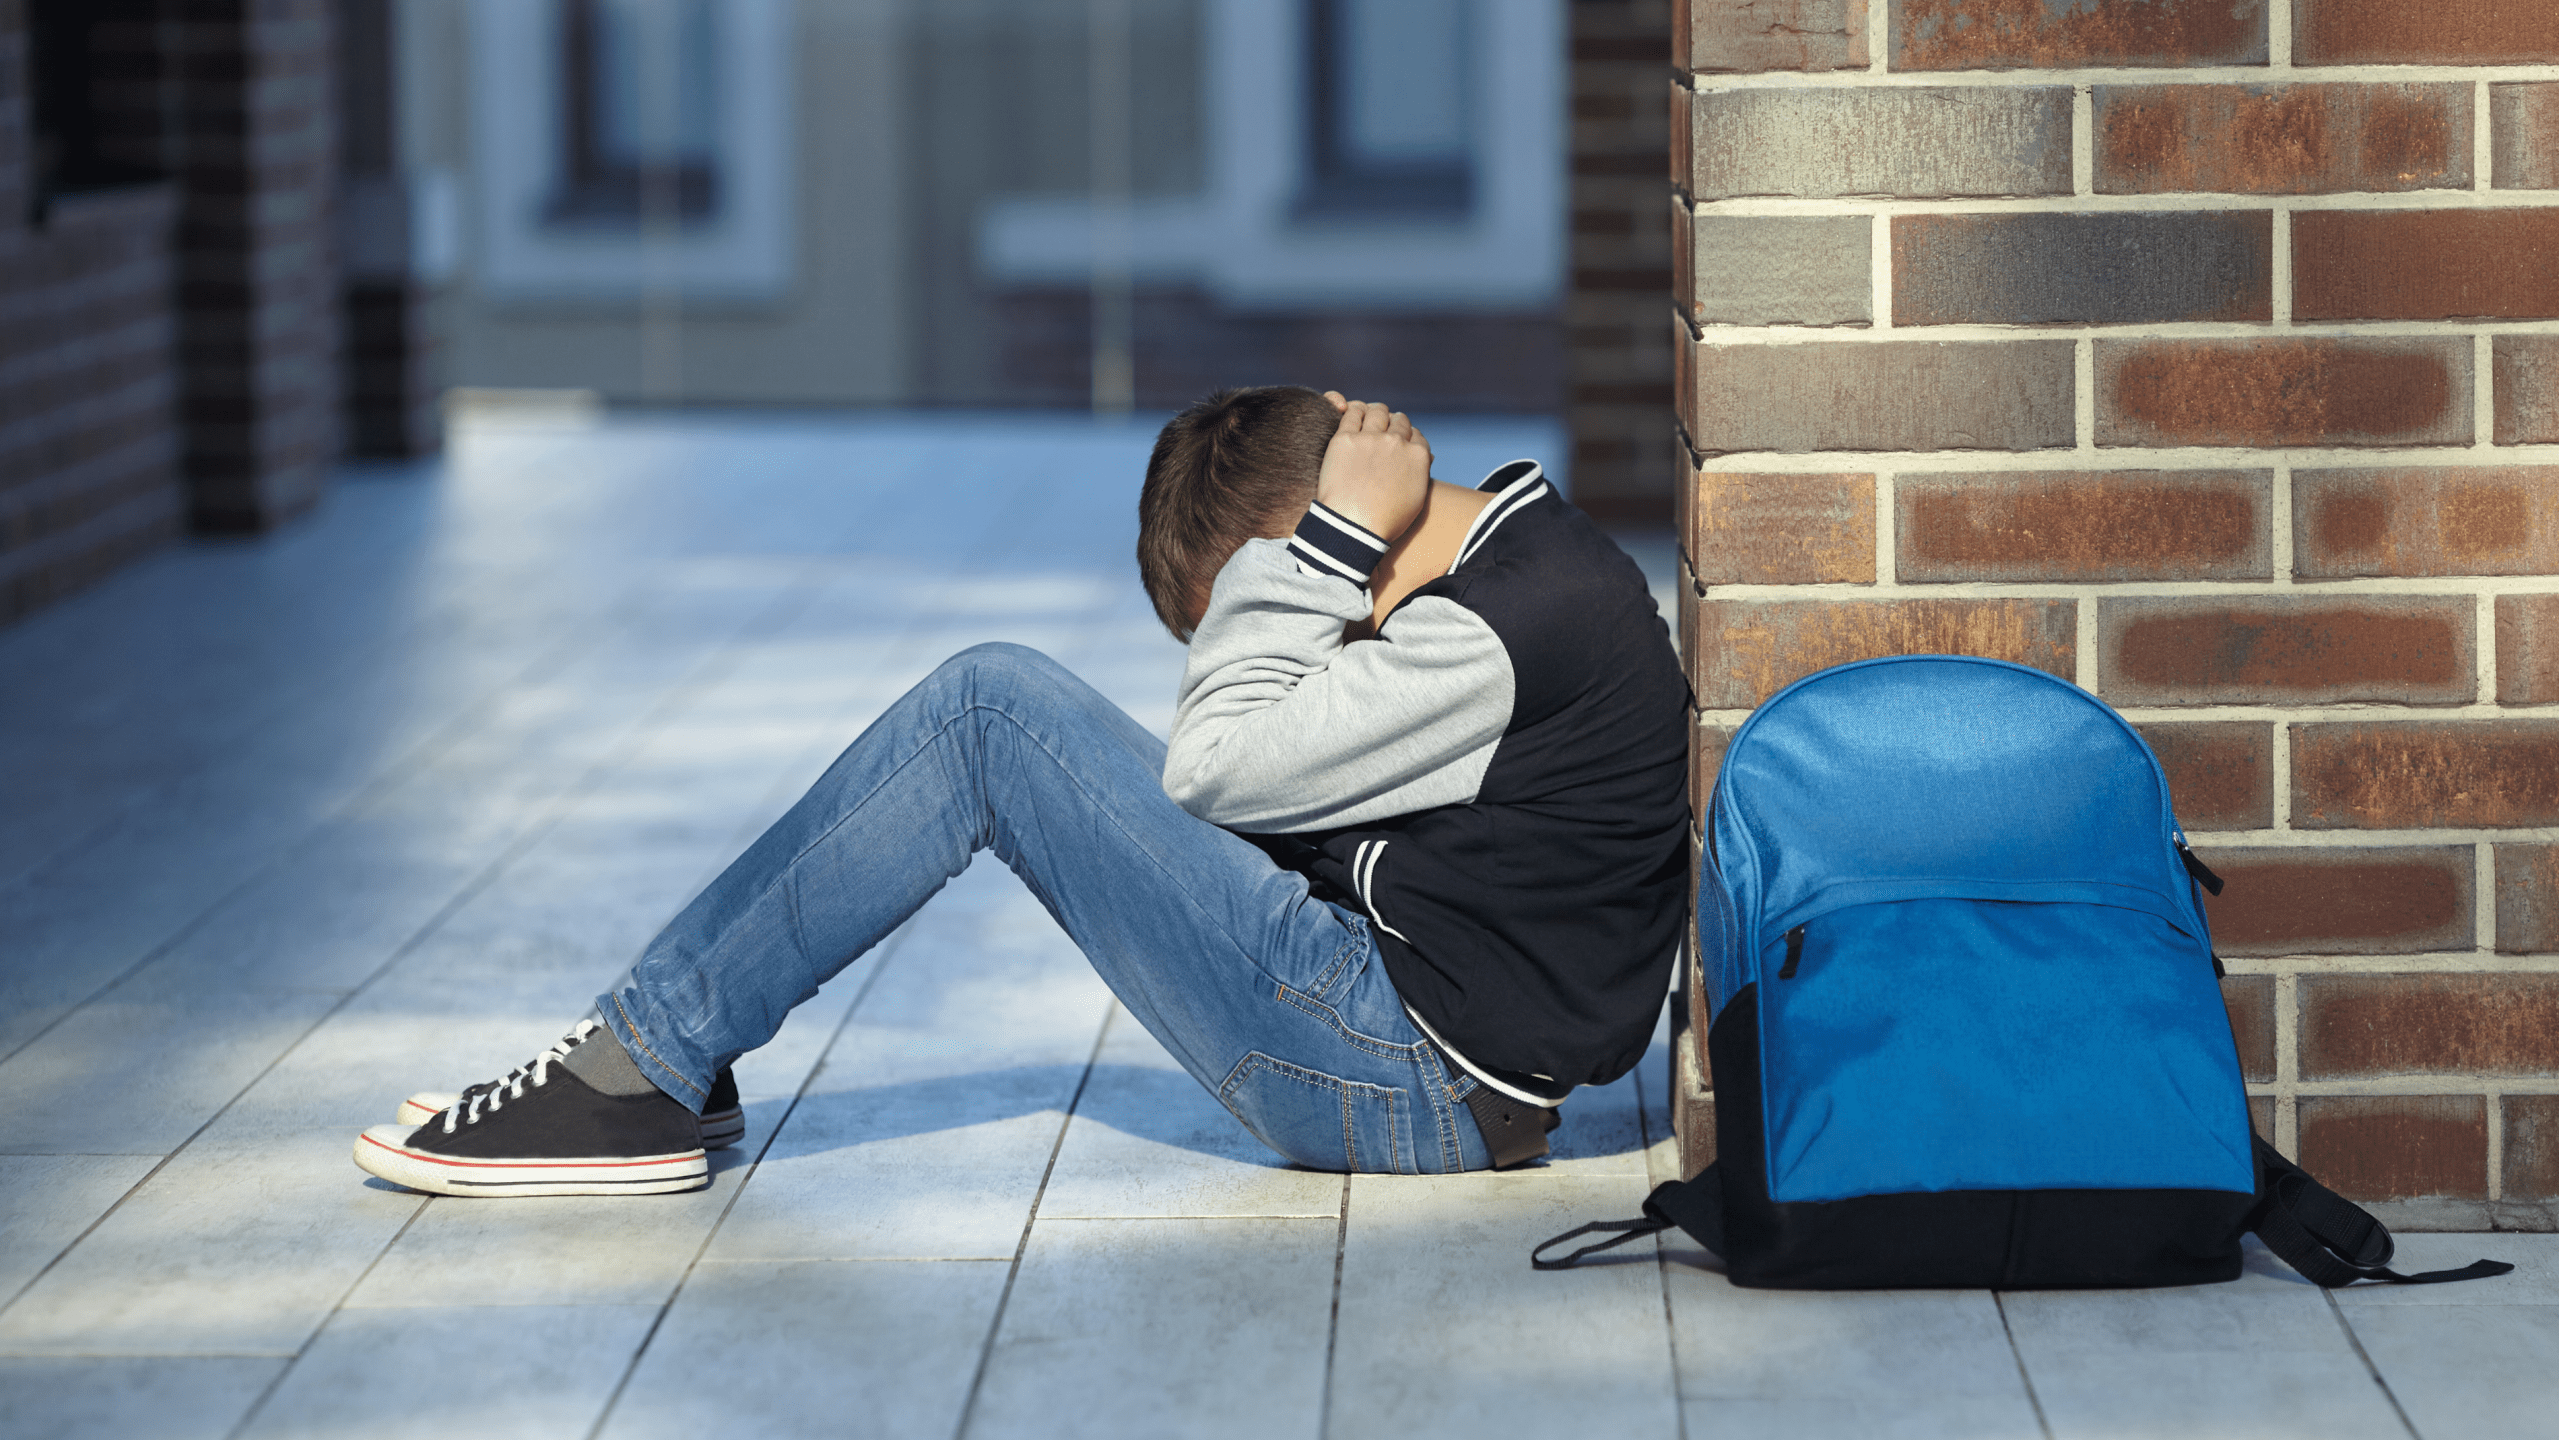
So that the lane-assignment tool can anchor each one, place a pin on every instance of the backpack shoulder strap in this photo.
(1695, 1206)
(2330, 1239)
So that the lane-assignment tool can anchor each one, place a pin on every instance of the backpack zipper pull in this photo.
(2201, 872)
(1794, 953)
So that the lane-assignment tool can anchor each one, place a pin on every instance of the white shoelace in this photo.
(496, 1093)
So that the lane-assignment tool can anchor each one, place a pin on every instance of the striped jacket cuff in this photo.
(1327, 543)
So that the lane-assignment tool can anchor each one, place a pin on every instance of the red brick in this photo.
(2528, 901)
(1783, 529)
(2528, 649)
(1705, 762)
(2527, 389)
(2221, 775)
(2404, 776)
(2283, 392)
(1747, 650)
(2281, 139)
(1681, 140)
(2251, 999)
(2397, 1147)
(2261, 1114)
(2068, 526)
(2524, 119)
(2325, 649)
(2437, 521)
(2434, 32)
(2339, 901)
(2500, 264)
(2357, 1027)
(2034, 34)
(1726, 35)
(2532, 1147)
(1893, 395)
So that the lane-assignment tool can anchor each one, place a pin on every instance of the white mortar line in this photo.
(2083, 140)
(2487, 647)
(2279, 761)
(1874, 77)
(1761, 336)
(2281, 715)
(1887, 533)
(2281, 279)
(1879, 34)
(2131, 457)
(2484, 898)
(2438, 586)
(2461, 963)
(1879, 271)
(2408, 838)
(2279, 527)
(2483, 140)
(2495, 1096)
(2171, 201)
(2083, 397)
(2084, 643)
(2279, 36)
(2483, 392)
(2287, 1060)
(2452, 1084)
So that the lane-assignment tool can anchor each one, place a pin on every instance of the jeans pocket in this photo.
(1322, 1121)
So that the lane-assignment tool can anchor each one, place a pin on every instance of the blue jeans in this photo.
(1274, 1000)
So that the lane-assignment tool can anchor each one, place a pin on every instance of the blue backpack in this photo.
(1966, 1028)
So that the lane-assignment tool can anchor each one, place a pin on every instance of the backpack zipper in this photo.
(1794, 953)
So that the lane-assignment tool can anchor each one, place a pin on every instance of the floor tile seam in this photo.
(327, 1318)
(886, 952)
(2025, 1375)
(1013, 1275)
(24, 1353)
(1670, 1328)
(542, 825)
(2364, 1358)
(1333, 1316)
(708, 1262)
(1120, 1219)
(353, 807)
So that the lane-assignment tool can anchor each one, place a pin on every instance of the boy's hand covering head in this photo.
(1377, 467)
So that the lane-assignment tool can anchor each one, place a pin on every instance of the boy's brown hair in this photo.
(1238, 465)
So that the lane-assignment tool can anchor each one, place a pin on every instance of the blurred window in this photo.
(639, 113)
(1388, 108)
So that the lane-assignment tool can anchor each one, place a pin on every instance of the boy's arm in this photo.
(1281, 727)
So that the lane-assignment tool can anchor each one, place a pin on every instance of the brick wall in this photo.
(1618, 352)
(2205, 353)
(88, 441)
(258, 284)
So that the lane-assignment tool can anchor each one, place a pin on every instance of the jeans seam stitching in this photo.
(1383, 1050)
(638, 1039)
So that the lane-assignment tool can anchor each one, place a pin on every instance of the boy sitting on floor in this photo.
(1410, 869)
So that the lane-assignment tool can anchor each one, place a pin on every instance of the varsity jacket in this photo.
(1497, 779)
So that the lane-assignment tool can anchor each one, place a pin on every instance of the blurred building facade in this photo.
(243, 239)
(896, 202)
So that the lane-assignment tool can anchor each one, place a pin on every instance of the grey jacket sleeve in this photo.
(1281, 727)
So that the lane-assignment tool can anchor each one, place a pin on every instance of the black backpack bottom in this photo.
(1949, 1240)
(1989, 1239)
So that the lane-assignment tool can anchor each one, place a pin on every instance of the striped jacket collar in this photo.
(1514, 487)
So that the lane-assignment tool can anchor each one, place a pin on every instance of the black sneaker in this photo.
(543, 1131)
(723, 1119)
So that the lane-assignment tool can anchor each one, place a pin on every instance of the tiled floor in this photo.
(288, 829)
